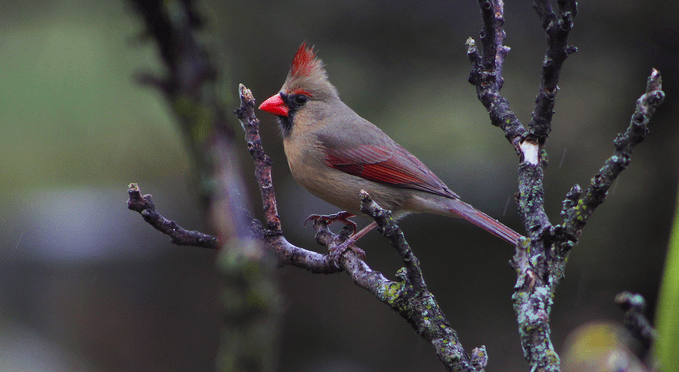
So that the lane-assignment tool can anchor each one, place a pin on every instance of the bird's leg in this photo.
(327, 219)
(363, 231)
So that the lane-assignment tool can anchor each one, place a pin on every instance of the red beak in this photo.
(275, 105)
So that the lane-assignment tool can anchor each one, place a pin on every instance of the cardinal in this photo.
(334, 154)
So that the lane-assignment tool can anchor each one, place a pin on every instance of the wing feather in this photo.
(394, 166)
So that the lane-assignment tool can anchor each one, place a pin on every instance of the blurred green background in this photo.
(86, 285)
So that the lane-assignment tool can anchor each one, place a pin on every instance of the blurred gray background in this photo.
(86, 285)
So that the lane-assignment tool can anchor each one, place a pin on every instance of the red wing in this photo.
(395, 167)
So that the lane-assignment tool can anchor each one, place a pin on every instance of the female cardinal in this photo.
(334, 154)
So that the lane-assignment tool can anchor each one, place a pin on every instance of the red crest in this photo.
(305, 61)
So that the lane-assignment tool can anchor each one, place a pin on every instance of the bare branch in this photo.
(178, 235)
(540, 261)
(413, 301)
(576, 211)
(250, 124)
(533, 262)
(486, 73)
(557, 29)
(635, 321)
(389, 229)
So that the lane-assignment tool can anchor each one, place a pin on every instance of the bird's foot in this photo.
(347, 234)
(327, 219)
(336, 252)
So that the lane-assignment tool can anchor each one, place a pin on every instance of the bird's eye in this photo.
(301, 99)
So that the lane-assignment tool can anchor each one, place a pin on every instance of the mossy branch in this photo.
(540, 260)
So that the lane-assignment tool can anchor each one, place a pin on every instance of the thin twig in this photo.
(178, 235)
(486, 73)
(388, 228)
(635, 321)
(576, 211)
(557, 29)
(250, 123)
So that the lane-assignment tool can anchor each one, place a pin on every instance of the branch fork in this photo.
(540, 259)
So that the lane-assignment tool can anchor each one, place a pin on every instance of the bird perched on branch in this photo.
(334, 154)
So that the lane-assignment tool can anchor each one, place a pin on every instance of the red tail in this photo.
(485, 222)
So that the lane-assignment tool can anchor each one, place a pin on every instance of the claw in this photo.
(335, 253)
(342, 217)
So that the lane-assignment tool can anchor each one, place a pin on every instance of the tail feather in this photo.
(484, 221)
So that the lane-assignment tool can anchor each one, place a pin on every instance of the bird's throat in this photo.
(285, 123)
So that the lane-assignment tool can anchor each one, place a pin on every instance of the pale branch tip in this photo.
(246, 94)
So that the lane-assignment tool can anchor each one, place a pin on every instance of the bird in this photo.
(334, 154)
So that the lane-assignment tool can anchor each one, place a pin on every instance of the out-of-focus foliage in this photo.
(667, 320)
(599, 347)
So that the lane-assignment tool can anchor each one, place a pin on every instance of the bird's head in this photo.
(305, 89)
